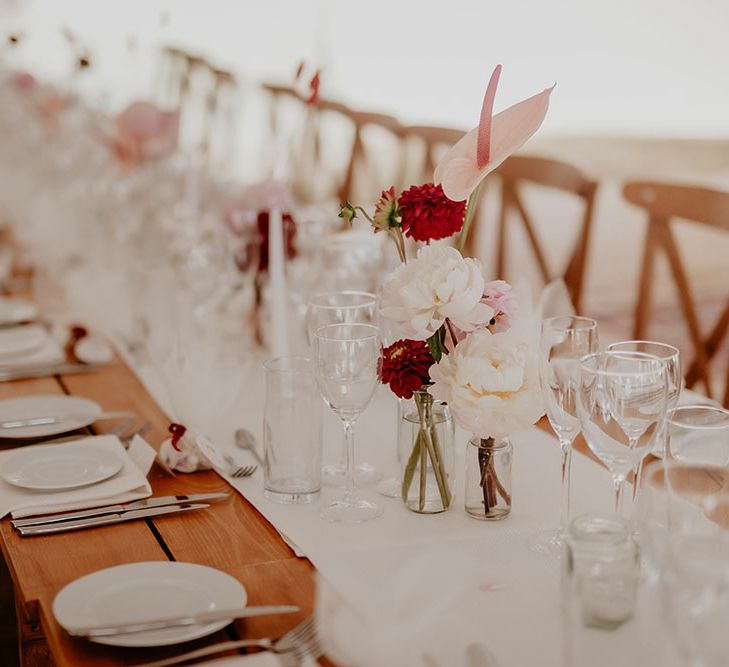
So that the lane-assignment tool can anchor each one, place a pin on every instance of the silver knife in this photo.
(147, 503)
(107, 519)
(180, 621)
(53, 369)
(56, 419)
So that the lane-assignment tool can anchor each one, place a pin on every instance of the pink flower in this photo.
(499, 297)
(144, 132)
(485, 147)
(23, 81)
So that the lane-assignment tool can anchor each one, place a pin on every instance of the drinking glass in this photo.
(695, 574)
(621, 402)
(346, 370)
(601, 571)
(563, 342)
(698, 434)
(672, 360)
(347, 307)
(292, 431)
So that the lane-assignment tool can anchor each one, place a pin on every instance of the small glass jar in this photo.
(488, 478)
(425, 444)
(601, 571)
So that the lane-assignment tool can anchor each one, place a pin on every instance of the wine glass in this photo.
(670, 357)
(346, 370)
(346, 307)
(621, 403)
(563, 342)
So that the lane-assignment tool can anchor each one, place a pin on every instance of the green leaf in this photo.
(436, 346)
(407, 478)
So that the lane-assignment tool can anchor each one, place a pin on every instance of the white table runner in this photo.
(499, 592)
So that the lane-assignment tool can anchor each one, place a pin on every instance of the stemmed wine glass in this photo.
(345, 307)
(563, 342)
(346, 370)
(621, 402)
(671, 358)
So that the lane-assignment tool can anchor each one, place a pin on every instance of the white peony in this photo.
(438, 283)
(491, 383)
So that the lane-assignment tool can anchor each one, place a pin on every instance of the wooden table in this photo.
(231, 536)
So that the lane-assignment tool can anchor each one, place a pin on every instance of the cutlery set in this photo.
(113, 514)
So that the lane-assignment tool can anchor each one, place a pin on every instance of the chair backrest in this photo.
(433, 142)
(664, 202)
(358, 162)
(520, 169)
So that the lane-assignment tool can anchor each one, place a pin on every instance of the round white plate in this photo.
(74, 412)
(145, 591)
(19, 341)
(57, 467)
(15, 311)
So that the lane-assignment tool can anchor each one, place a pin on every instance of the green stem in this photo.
(435, 458)
(423, 471)
(470, 208)
(407, 478)
(364, 213)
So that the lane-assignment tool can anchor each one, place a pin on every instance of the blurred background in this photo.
(642, 95)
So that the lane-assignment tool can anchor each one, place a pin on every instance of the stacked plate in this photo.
(24, 345)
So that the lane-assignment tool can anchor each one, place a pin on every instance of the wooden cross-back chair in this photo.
(520, 169)
(358, 156)
(663, 203)
(435, 141)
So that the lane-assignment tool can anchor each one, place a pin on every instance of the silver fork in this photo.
(298, 643)
(237, 471)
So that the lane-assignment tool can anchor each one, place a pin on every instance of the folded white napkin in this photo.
(130, 483)
(49, 353)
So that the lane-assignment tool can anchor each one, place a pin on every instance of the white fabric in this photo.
(406, 589)
(130, 483)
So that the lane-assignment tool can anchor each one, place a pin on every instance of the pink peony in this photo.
(145, 132)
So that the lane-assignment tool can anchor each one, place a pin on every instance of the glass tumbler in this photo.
(601, 571)
(292, 431)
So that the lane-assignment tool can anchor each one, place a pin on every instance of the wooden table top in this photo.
(231, 535)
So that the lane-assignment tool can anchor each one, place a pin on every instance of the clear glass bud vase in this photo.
(488, 478)
(425, 443)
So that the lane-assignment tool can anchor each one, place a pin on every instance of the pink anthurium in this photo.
(485, 147)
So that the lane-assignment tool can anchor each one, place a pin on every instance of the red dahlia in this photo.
(404, 366)
(428, 215)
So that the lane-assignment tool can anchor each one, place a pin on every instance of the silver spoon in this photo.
(246, 440)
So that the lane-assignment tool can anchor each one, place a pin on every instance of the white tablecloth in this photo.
(498, 591)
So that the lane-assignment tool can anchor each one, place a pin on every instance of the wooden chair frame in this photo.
(663, 202)
(555, 174)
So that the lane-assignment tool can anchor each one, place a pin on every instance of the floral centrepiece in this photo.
(458, 348)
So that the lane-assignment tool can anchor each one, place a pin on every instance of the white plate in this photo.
(71, 409)
(15, 311)
(55, 467)
(145, 591)
(19, 341)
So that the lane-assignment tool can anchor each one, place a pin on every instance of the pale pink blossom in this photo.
(498, 295)
(145, 132)
(485, 147)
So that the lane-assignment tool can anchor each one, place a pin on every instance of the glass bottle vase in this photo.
(488, 478)
(426, 441)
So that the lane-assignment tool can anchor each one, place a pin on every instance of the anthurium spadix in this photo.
(485, 147)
